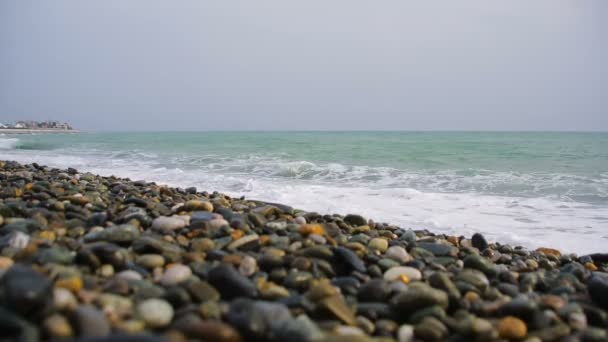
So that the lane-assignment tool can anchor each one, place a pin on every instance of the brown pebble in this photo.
(512, 328)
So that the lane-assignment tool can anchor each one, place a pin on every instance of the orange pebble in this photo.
(307, 229)
(549, 251)
(591, 266)
(264, 240)
(403, 278)
(73, 284)
(47, 235)
(471, 296)
(237, 234)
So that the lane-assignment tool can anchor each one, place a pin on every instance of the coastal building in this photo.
(46, 125)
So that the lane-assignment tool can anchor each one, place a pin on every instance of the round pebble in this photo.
(156, 313)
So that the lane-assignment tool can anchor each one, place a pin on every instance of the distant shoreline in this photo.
(32, 131)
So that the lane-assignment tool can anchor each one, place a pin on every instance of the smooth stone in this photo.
(207, 330)
(57, 326)
(398, 254)
(150, 261)
(256, 318)
(201, 216)
(408, 236)
(418, 296)
(438, 249)
(475, 278)
(276, 225)
(441, 280)
(396, 273)
(194, 205)
(247, 239)
(322, 289)
(248, 266)
(375, 290)
(299, 220)
(378, 244)
(115, 304)
(25, 291)
(202, 245)
(298, 280)
(230, 283)
(217, 223)
(405, 333)
(355, 220)
(123, 233)
(347, 331)
(176, 274)
(202, 291)
(512, 328)
(480, 263)
(520, 307)
(430, 329)
(301, 329)
(431, 311)
(168, 224)
(129, 275)
(349, 259)
(479, 241)
(597, 285)
(156, 313)
(90, 322)
(210, 310)
(64, 299)
(321, 252)
(553, 333)
(337, 306)
(16, 239)
(56, 255)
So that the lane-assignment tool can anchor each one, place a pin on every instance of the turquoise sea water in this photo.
(525, 188)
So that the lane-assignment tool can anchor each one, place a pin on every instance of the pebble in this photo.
(242, 242)
(230, 283)
(175, 274)
(156, 313)
(479, 241)
(168, 224)
(25, 291)
(399, 272)
(419, 296)
(57, 326)
(378, 244)
(150, 261)
(398, 254)
(405, 333)
(248, 266)
(512, 328)
(90, 322)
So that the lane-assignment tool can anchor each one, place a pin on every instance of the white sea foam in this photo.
(383, 194)
(8, 143)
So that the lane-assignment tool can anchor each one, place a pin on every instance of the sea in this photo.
(522, 188)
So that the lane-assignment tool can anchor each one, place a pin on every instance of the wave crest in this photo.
(8, 143)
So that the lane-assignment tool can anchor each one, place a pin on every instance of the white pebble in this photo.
(248, 266)
(411, 273)
(155, 312)
(175, 275)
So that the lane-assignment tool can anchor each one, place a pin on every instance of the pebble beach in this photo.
(92, 258)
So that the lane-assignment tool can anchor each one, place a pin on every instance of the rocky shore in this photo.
(108, 259)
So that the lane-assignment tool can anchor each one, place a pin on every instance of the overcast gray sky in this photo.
(341, 64)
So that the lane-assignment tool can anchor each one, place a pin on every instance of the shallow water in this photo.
(530, 189)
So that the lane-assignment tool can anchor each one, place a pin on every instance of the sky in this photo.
(306, 65)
